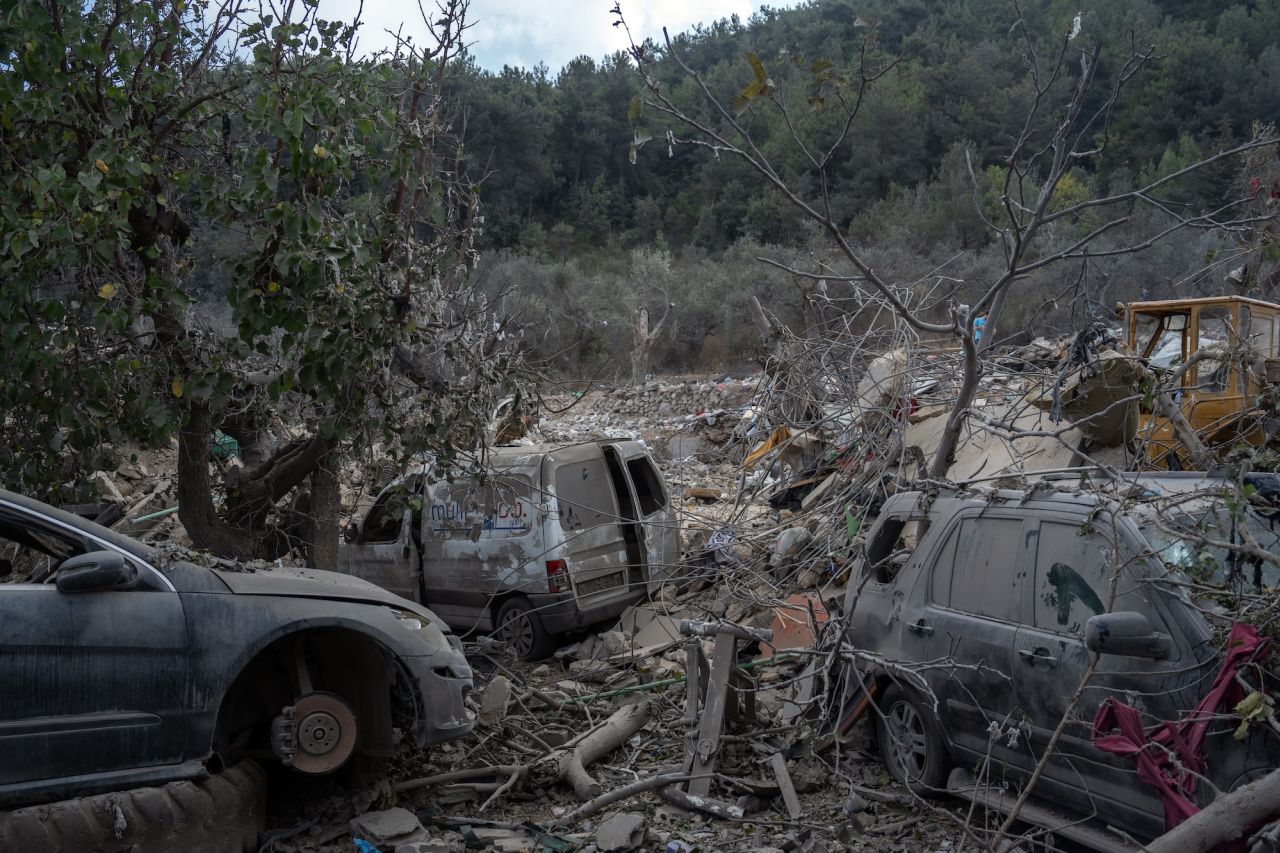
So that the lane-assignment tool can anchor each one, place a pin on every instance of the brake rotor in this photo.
(326, 733)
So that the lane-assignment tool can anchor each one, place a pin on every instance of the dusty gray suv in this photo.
(984, 611)
(120, 668)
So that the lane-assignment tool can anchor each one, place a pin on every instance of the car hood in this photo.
(311, 583)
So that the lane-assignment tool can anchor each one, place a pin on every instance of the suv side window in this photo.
(986, 558)
(944, 569)
(1074, 568)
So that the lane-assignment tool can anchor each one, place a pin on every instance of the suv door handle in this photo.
(1038, 656)
(918, 627)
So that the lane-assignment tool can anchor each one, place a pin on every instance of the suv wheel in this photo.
(521, 628)
(911, 742)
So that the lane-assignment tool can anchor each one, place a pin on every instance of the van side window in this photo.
(584, 494)
(385, 518)
(501, 507)
(1074, 568)
(986, 558)
(648, 486)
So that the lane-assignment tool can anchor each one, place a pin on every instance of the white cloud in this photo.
(524, 33)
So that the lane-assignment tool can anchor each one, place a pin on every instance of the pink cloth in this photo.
(1155, 750)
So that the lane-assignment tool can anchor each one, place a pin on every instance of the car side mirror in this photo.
(351, 533)
(95, 572)
(1127, 634)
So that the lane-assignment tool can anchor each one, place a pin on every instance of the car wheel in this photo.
(521, 628)
(911, 742)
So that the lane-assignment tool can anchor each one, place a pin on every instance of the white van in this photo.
(556, 538)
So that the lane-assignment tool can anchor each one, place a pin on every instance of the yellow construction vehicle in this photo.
(1220, 355)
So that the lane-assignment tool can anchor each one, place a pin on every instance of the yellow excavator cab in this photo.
(1217, 393)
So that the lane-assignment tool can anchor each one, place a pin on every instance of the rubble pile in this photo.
(659, 399)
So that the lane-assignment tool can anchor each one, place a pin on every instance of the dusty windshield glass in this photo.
(1198, 543)
(1160, 339)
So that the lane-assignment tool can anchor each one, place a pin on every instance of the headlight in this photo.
(412, 621)
(426, 630)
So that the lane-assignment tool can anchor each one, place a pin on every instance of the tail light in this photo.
(558, 576)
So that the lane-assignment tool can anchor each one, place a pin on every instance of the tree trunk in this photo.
(641, 347)
(1225, 819)
(195, 492)
(239, 532)
(945, 454)
(325, 506)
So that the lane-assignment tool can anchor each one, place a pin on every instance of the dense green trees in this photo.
(555, 147)
(152, 150)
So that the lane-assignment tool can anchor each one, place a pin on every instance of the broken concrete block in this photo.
(789, 544)
(390, 827)
(431, 845)
(614, 642)
(106, 486)
(493, 704)
(621, 831)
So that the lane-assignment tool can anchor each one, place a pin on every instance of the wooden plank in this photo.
(788, 789)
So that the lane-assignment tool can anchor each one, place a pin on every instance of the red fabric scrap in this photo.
(1155, 750)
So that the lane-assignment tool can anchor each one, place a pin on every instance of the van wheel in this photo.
(911, 742)
(521, 628)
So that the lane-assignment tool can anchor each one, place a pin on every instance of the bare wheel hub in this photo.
(326, 728)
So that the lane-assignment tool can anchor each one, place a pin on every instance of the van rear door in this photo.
(590, 519)
(657, 529)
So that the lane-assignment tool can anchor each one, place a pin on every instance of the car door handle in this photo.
(1038, 656)
(918, 627)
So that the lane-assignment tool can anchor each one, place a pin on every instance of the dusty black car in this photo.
(982, 612)
(121, 668)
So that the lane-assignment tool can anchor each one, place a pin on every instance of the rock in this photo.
(788, 544)
(590, 671)
(106, 486)
(614, 643)
(854, 805)
(588, 647)
(390, 827)
(129, 471)
(493, 704)
(621, 831)
(431, 845)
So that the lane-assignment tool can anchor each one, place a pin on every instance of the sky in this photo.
(526, 32)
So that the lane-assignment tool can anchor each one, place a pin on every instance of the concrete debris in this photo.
(494, 700)
(695, 731)
(789, 544)
(621, 831)
(389, 827)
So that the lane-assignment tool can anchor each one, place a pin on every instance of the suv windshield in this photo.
(1197, 542)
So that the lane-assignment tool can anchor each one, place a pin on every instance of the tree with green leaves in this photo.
(130, 128)
(1045, 217)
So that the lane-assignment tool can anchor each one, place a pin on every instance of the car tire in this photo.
(520, 627)
(224, 812)
(911, 742)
